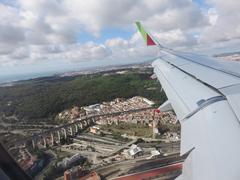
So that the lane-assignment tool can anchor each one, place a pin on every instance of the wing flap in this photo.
(184, 98)
(214, 134)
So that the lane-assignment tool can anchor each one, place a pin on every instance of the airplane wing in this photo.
(205, 94)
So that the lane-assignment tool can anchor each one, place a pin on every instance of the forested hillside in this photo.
(43, 98)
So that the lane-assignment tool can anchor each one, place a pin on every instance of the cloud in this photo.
(88, 51)
(49, 30)
(224, 17)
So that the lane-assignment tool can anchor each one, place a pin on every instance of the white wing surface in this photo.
(205, 95)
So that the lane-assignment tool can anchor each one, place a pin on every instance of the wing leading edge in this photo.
(205, 95)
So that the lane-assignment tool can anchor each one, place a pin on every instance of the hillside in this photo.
(41, 99)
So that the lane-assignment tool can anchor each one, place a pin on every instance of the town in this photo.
(91, 139)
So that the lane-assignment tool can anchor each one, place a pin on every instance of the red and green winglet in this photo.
(149, 41)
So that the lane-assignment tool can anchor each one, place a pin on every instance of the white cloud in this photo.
(213, 16)
(224, 19)
(176, 38)
(88, 51)
(44, 30)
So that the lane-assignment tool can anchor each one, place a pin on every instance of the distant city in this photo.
(7, 80)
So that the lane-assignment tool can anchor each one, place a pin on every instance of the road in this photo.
(124, 146)
(39, 176)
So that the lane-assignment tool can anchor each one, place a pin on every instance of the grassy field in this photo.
(129, 129)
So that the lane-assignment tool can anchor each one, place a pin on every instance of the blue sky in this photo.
(53, 36)
(202, 3)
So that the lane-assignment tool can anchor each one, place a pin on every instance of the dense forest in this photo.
(41, 99)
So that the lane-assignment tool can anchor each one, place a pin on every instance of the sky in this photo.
(38, 36)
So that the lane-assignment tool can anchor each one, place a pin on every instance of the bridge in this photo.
(55, 134)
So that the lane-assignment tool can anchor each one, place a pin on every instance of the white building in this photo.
(135, 150)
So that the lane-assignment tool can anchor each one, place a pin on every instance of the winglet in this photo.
(147, 38)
